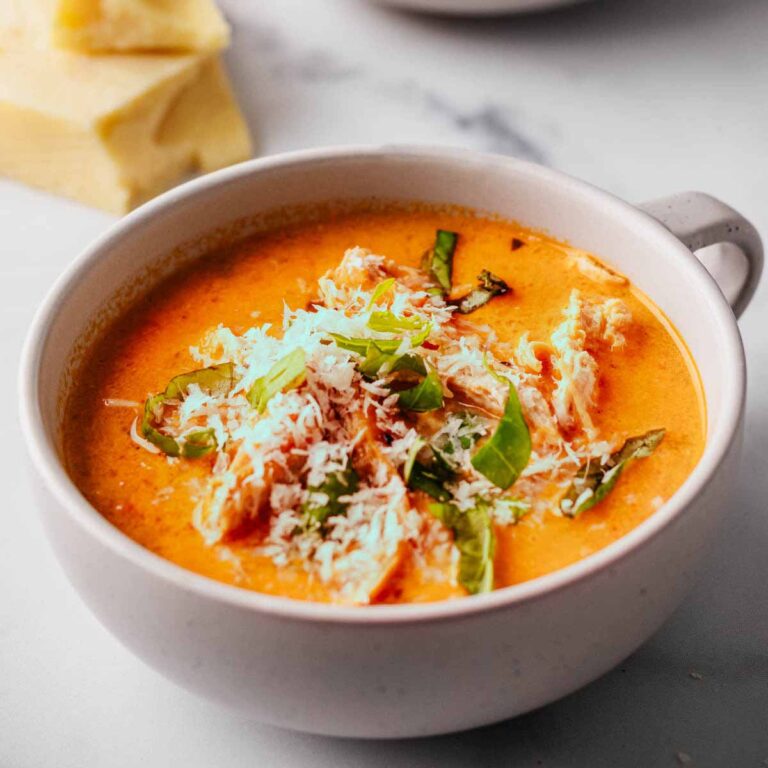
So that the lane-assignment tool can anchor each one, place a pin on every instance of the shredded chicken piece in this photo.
(539, 416)
(388, 569)
(234, 498)
(375, 576)
(593, 268)
(526, 356)
(370, 460)
(615, 317)
(464, 370)
(241, 483)
(587, 325)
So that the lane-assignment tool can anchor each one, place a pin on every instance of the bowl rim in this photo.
(44, 457)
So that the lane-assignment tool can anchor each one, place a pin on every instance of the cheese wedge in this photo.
(122, 26)
(139, 25)
(113, 131)
(26, 23)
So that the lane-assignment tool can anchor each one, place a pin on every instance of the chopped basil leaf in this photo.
(360, 346)
(324, 500)
(379, 354)
(507, 451)
(427, 395)
(215, 380)
(409, 362)
(595, 480)
(444, 461)
(432, 475)
(383, 287)
(492, 283)
(389, 322)
(410, 460)
(438, 261)
(380, 357)
(198, 444)
(375, 359)
(419, 338)
(378, 362)
(489, 285)
(474, 537)
(287, 373)
(430, 480)
(153, 412)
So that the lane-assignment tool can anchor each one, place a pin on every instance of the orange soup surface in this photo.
(404, 431)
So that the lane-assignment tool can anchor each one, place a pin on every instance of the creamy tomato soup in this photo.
(385, 406)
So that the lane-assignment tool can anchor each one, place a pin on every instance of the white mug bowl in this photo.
(407, 670)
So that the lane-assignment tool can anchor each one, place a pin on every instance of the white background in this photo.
(641, 97)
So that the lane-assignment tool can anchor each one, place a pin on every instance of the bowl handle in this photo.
(699, 220)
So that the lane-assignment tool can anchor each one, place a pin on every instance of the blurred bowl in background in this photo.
(477, 7)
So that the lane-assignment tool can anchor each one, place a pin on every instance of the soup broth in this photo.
(550, 369)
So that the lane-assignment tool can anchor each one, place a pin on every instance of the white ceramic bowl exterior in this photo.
(392, 671)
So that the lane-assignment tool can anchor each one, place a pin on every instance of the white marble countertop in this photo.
(642, 97)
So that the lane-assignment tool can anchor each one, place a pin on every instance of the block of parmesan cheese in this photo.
(113, 131)
(139, 25)
(26, 23)
(98, 26)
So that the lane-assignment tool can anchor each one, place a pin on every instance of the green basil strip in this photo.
(361, 346)
(409, 362)
(215, 380)
(507, 451)
(427, 395)
(379, 354)
(419, 338)
(594, 481)
(199, 444)
(438, 261)
(153, 411)
(474, 537)
(389, 322)
(444, 460)
(382, 288)
(489, 285)
(287, 373)
(429, 478)
(335, 485)
(377, 361)
(410, 459)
